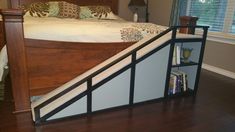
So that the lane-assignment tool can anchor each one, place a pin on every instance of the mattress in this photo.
(88, 30)
(82, 30)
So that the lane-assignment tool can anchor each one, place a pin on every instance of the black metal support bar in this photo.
(132, 82)
(168, 74)
(37, 116)
(205, 31)
(59, 95)
(152, 52)
(111, 77)
(190, 26)
(180, 40)
(147, 11)
(89, 96)
(44, 118)
(58, 109)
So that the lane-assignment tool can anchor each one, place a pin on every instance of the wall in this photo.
(124, 11)
(159, 11)
(220, 55)
(155, 6)
(127, 14)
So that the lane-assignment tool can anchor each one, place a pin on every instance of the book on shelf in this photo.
(172, 85)
(178, 82)
(184, 79)
(176, 55)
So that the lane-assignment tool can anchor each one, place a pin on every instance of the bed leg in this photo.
(13, 22)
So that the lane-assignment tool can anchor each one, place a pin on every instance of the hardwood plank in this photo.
(212, 111)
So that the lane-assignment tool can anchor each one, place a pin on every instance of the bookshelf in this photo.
(184, 76)
(189, 70)
(191, 63)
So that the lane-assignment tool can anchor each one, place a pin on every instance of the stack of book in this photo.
(176, 55)
(178, 82)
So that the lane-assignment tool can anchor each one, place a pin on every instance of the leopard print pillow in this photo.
(68, 10)
(37, 9)
(100, 11)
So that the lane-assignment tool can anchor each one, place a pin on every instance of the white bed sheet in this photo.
(87, 30)
(3, 61)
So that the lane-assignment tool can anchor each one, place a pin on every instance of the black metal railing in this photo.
(134, 61)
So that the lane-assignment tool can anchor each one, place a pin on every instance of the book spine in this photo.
(178, 54)
(174, 57)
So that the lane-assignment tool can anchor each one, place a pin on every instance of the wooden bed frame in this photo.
(37, 66)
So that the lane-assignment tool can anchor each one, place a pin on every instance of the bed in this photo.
(39, 65)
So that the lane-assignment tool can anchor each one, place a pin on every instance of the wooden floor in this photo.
(212, 111)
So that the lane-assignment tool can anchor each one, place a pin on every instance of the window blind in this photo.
(232, 30)
(218, 14)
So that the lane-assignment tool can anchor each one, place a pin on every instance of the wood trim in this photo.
(53, 63)
(13, 20)
(22, 111)
(219, 70)
(71, 45)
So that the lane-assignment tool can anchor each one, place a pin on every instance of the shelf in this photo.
(178, 40)
(185, 93)
(185, 74)
(185, 64)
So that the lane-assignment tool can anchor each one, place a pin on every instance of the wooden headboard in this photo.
(112, 3)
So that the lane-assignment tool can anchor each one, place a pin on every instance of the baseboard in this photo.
(219, 70)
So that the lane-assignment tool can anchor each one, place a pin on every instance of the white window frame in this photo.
(228, 20)
(224, 36)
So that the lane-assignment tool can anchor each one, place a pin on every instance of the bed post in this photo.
(13, 22)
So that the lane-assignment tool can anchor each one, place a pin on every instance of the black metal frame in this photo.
(132, 67)
(147, 11)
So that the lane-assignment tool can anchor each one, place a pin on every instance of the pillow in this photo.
(85, 12)
(68, 10)
(100, 12)
(37, 9)
(53, 9)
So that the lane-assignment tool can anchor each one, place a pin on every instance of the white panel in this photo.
(111, 70)
(61, 100)
(78, 107)
(151, 76)
(113, 93)
(196, 46)
(191, 72)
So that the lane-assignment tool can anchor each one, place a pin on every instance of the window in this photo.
(233, 25)
(218, 14)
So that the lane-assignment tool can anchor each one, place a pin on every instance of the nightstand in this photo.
(188, 21)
